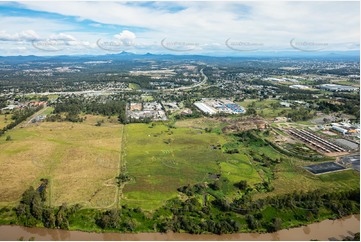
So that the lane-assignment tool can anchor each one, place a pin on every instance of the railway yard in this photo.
(343, 152)
(317, 142)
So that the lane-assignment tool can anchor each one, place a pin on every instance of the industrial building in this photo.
(315, 141)
(340, 130)
(346, 128)
(285, 104)
(299, 87)
(337, 88)
(347, 144)
(205, 108)
(213, 106)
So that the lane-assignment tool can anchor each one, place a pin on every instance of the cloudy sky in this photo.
(214, 28)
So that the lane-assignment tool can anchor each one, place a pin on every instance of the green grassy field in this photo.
(48, 111)
(264, 107)
(346, 82)
(201, 123)
(147, 98)
(158, 168)
(134, 86)
(291, 177)
(161, 160)
(82, 160)
(79, 159)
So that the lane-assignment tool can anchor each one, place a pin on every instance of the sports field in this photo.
(134, 86)
(80, 160)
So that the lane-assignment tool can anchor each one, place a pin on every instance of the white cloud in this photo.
(62, 36)
(27, 35)
(208, 23)
(125, 35)
(273, 20)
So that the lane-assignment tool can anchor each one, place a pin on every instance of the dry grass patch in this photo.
(80, 159)
(5, 120)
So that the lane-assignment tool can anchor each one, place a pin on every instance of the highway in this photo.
(108, 92)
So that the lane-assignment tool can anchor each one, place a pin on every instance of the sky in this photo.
(188, 27)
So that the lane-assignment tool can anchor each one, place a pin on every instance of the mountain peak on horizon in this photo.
(125, 53)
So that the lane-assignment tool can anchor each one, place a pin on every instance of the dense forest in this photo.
(73, 107)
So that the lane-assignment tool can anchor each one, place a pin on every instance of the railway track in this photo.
(315, 141)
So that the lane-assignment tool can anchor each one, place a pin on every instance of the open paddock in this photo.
(5, 119)
(80, 160)
(160, 160)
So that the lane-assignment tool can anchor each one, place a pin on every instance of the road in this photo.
(108, 92)
(34, 115)
(204, 81)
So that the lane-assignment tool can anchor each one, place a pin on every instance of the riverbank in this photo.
(325, 230)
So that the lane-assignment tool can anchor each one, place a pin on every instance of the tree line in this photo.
(32, 210)
(19, 116)
(212, 214)
(73, 107)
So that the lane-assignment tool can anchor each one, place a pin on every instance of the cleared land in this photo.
(160, 160)
(289, 175)
(265, 108)
(215, 124)
(80, 160)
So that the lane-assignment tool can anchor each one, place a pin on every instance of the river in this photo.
(325, 230)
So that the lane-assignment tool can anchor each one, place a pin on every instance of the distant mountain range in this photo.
(326, 55)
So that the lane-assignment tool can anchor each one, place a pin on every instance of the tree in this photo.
(28, 196)
(252, 222)
(103, 221)
(36, 206)
(109, 220)
(251, 111)
(275, 225)
(216, 185)
(21, 209)
(49, 218)
(42, 194)
(8, 138)
(114, 221)
(61, 217)
(242, 185)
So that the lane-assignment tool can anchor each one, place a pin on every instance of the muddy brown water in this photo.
(325, 230)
